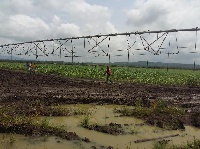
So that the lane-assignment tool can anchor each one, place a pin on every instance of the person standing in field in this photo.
(28, 66)
(33, 67)
(108, 72)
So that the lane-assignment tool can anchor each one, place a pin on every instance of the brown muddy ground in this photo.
(33, 94)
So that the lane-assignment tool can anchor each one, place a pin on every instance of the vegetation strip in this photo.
(119, 74)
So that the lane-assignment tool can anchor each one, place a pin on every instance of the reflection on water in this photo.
(101, 115)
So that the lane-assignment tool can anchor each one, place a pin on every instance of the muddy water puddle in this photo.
(135, 129)
(13, 141)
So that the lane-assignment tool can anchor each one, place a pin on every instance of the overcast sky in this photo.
(28, 20)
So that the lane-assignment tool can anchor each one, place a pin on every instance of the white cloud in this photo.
(67, 30)
(56, 21)
(48, 19)
(154, 14)
(10, 7)
(26, 20)
(86, 12)
(146, 17)
(22, 27)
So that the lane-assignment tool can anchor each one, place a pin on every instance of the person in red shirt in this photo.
(108, 72)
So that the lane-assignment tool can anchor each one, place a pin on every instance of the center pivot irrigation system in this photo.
(133, 43)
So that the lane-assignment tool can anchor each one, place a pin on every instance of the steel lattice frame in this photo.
(59, 44)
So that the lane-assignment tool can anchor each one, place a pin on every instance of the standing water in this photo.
(135, 129)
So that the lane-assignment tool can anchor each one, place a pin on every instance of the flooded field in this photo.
(47, 111)
(135, 129)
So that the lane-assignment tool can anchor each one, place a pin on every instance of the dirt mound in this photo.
(33, 130)
(165, 121)
(112, 128)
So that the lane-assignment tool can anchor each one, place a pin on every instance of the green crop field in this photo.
(119, 74)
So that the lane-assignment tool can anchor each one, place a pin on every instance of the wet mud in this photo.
(28, 129)
(23, 94)
(112, 128)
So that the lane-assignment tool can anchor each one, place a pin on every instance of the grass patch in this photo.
(159, 114)
(162, 144)
(67, 111)
(134, 130)
(157, 107)
(29, 109)
(195, 144)
(85, 121)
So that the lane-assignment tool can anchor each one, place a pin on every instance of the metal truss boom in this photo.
(107, 35)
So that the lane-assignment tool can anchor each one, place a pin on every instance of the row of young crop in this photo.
(122, 74)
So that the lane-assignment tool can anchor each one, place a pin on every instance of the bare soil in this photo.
(31, 95)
